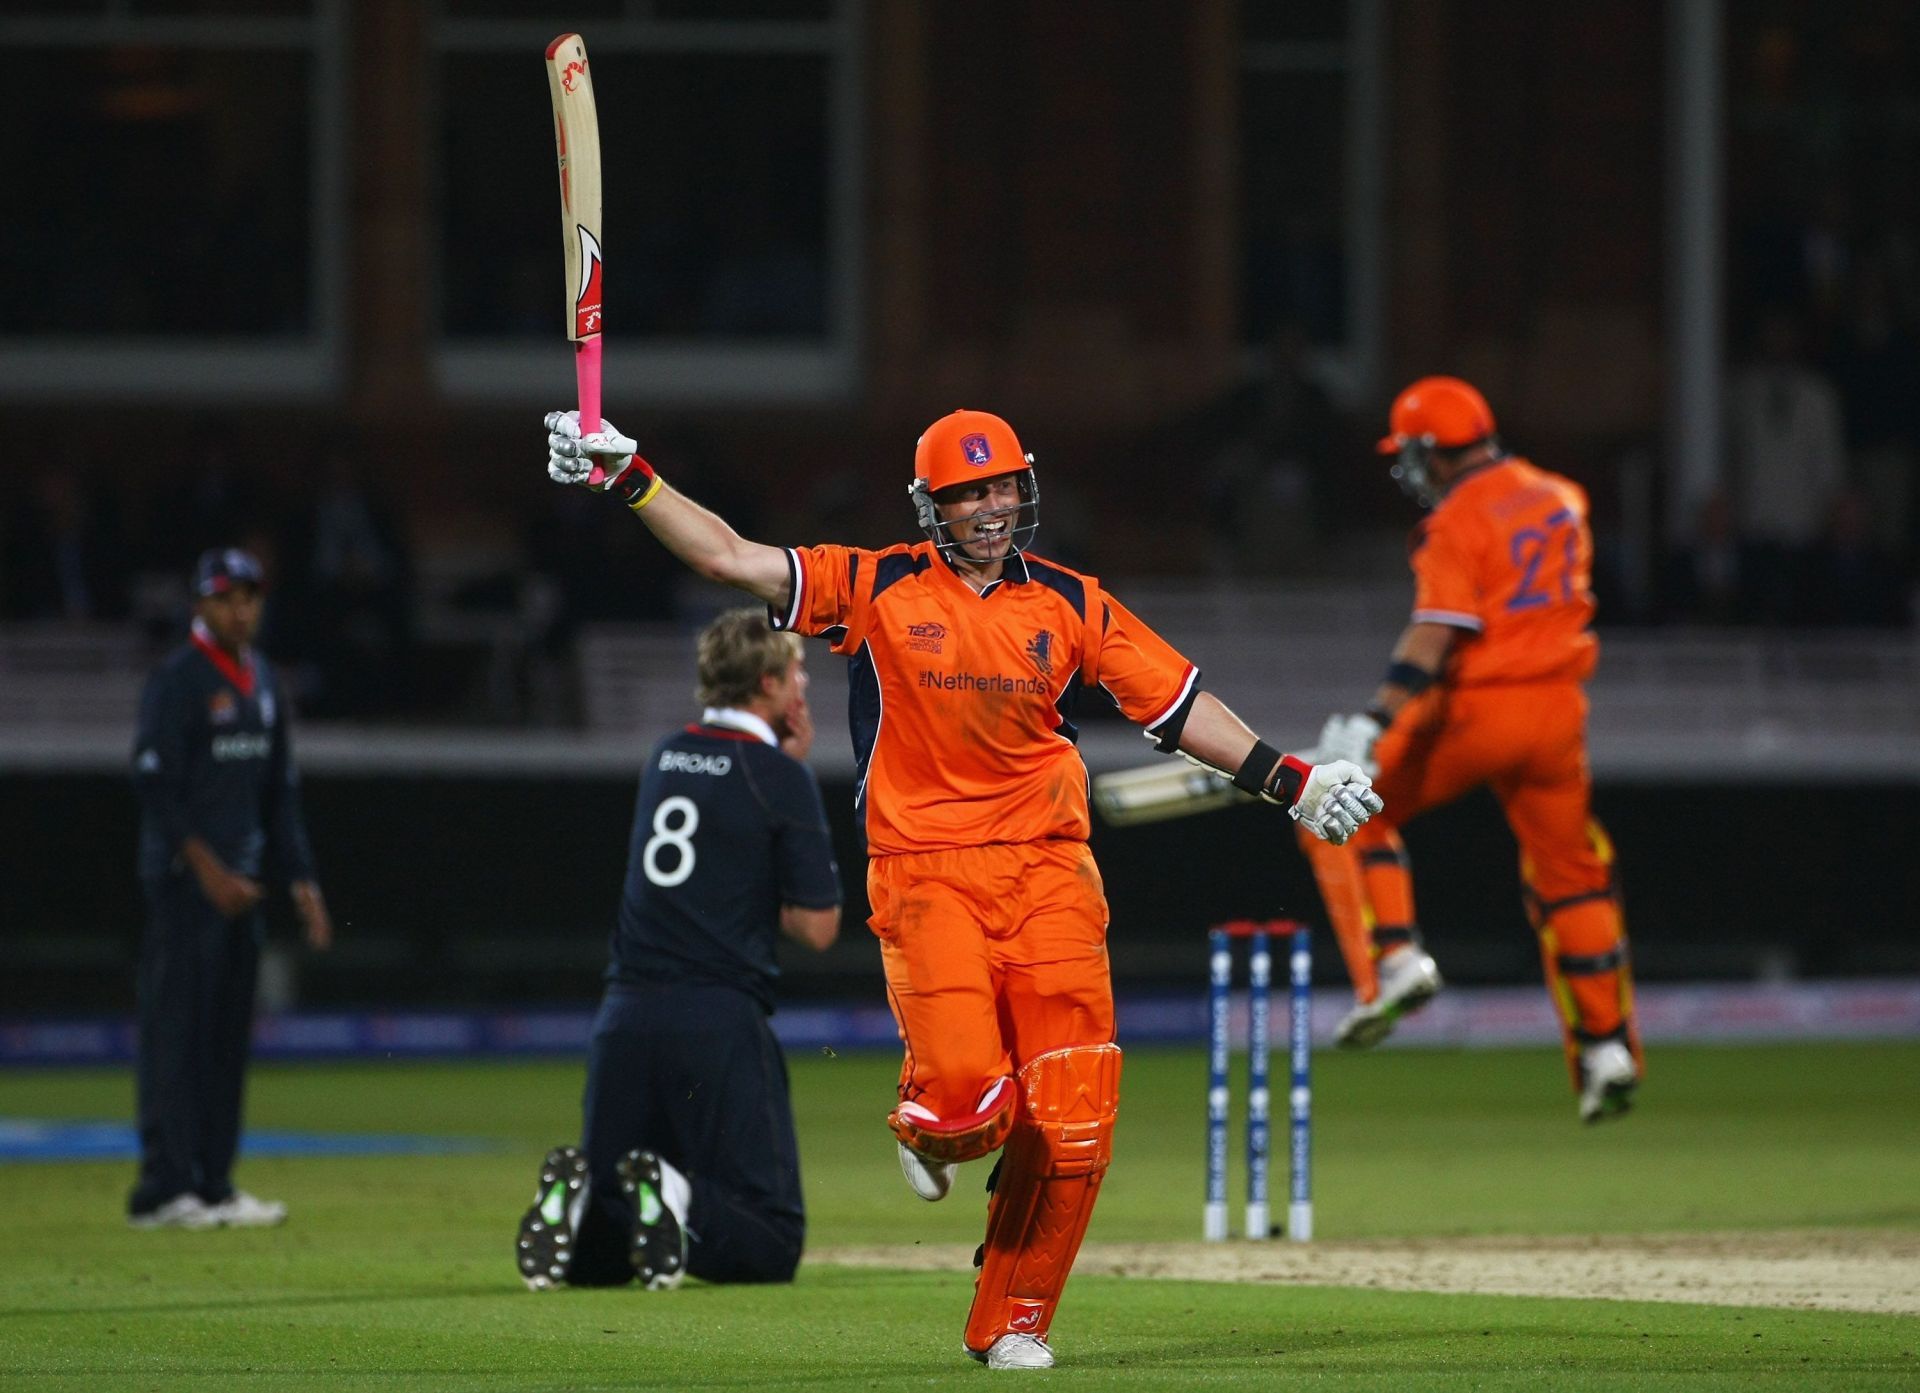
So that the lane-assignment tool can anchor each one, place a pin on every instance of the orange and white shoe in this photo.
(1409, 979)
(931, 1180)
(1017, 1352)
(1608, 1077)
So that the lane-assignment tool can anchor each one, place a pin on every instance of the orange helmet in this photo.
(1435, 413)
(1446, 412)
(967, 447)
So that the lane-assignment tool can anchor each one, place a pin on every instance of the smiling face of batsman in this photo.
(980, 520)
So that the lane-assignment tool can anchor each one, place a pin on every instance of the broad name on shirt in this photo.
(682, 762)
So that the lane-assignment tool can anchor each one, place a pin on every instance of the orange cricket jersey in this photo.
(1507, 556)
(960, 704)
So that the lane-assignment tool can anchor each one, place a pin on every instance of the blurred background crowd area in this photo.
(285, 274)
(290, 282)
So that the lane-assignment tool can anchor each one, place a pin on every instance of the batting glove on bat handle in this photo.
(605, 461)
(1351, 738)
(1335, 799)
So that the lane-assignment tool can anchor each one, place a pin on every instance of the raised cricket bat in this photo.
(576, 139)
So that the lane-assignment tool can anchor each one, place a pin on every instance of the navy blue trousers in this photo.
(197, 974)
(694, 1073)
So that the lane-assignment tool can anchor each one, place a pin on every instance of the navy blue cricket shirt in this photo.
(213, 759)
(726, 830)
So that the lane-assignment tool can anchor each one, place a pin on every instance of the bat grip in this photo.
(586, 369)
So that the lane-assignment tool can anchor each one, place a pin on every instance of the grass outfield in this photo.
(396, 1273)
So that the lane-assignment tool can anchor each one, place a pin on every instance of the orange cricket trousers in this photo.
(1527, 743)
(993, 955)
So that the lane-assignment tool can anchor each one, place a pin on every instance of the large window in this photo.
(172, 220)
(1823, 143)
(1311, 178)
(729, 151)
(1823, 231)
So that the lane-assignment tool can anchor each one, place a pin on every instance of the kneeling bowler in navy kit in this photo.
(219, 812)
(688, 1161)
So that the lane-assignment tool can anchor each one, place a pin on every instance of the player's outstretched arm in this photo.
(1330, 800)
(609, 462)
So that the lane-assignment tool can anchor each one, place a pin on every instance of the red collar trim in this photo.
(240, 674)
(724, 733)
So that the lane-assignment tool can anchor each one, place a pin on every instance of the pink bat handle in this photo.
(586, 368)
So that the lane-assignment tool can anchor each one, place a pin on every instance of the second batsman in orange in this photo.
(1486, 688)
(966, 653)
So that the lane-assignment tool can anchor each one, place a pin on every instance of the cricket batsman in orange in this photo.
(1486, 687)
(966, 654)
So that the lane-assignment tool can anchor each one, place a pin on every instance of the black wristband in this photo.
(1380, 716)
(639, 486)
(1413, 677)
(1284, 788)
(1251, 777)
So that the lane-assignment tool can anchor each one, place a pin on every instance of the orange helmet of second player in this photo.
(970, 447)
(1435, 413)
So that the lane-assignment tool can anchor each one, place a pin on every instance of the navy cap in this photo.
(223, 568)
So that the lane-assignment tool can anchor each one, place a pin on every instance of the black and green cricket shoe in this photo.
(659, 1239)
(550, 1229)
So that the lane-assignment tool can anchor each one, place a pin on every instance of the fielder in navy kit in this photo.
(219, 813)
(688, 1161)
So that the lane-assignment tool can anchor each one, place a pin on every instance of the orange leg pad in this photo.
(1389, 882)
(1049, 1179)
(1583, 949)
(1336, 870)
(980, 1133)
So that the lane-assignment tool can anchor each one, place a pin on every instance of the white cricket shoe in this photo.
(931, 1180)
(1019, 1352)
(1409, 979)
(186, 1211)
(1608, 1077)
(241, 1210)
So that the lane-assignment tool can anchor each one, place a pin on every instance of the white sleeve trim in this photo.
(873, 752)
(797, 582)
(1452, 618)
(1193, 675)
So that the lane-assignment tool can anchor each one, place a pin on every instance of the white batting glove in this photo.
(1351, 738)
(1336, 798)
(595, 462)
